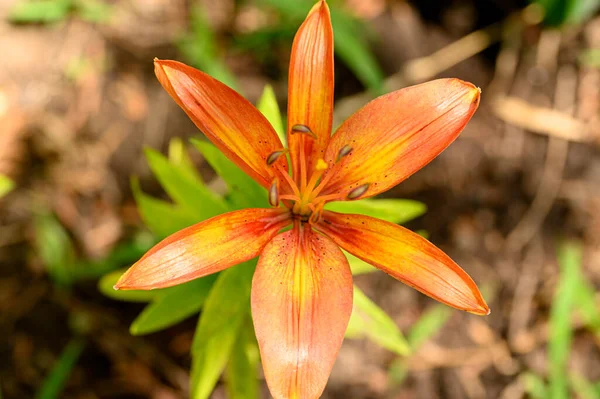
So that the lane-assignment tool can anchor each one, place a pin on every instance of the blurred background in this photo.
(515, 200)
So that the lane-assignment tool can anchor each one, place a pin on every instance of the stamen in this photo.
(345, 150)
(274, 156)
(320, 167)
(358, 191)
(289, 197)
(303, 129)
(288, 179)
(274, 193)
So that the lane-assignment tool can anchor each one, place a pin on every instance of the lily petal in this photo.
(397, 134)
(405, 256)
(234, 125)
(310, 88)
(205, 248)
(301, 305)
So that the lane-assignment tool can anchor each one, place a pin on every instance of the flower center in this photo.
(304, 200)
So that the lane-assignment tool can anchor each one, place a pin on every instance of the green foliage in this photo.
(172, 306)
(55, 381)
(573, 293)
(349, 38)
(6, 185)
(244, 192)
(185, 188)
(55, 248)
(226, 308)
(200, 47)
(369, 320)
(560, 12)
(52, 11)
(391, 210)
(591, 58)
(534, 385)
(270, 108)
(429, 324)
(561, 331)
(242, 370)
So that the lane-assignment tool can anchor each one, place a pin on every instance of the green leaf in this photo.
(184, 188)
(391, 210)
(270, 109)
(123, 254)
(242, 369)
(179, 156)
(95, 11)
(582, 387)
(429, 324)
(582, 10)
(40, 11)
(200, 47)
(348, 38)
(245, 192)
(590, 57)
(108, 281)
(587, 306)
(559, 12)
(351, 47)
(161, 217)
(172, 306)
(6, 185)
(358, 266)
(224, 311)
(55, 381)
(561, 331)
(534, 386)
(55, 248)
(369, 321)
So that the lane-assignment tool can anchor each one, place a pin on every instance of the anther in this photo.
(345, 150)
(358, 191)
(303, 129)
(274, 156)
(274, 194)
(321, 165)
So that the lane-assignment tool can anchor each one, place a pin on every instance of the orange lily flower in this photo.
(302, 287)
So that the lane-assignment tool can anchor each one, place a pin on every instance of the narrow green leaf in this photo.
(358, 266)
(561, 331)
(108, 281)
(55, 381)
(534, 385)
(429, 324)
(582, 387)
(123, 254)
(40, 11)
(6, 185)
(582, 10)
(245, 192)
(270, 109)
(391, 210)
(95, 11)
(161, 217)
(224, 311)
(200, 47)
(370, 321)
(587, 305)
(171, 307)
(55, 248)
(354, 51)
(179, 156)
(184, 188)
(242, 369)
